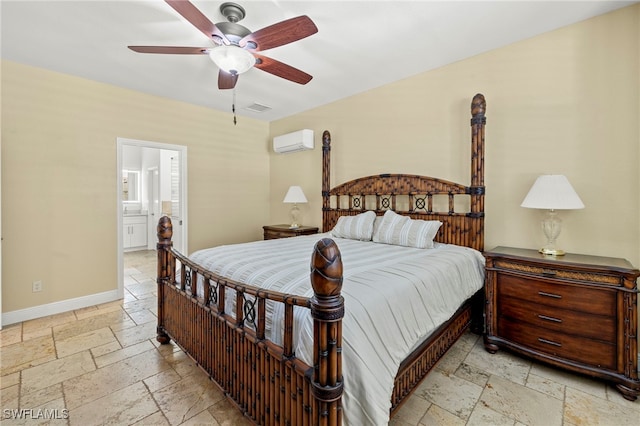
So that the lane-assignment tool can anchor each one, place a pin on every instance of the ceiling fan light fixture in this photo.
(232, 59)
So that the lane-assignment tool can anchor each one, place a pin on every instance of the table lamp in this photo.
(552, 192)
(294, 196)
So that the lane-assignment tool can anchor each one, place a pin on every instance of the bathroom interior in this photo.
(150, 190)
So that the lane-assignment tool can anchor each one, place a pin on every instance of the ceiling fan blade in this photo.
(176, 50)
(279, 34)
(198, 20)
(280, 69)
(227, 80)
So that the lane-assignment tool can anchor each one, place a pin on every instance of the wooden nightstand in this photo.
(272, 232)
(576, 312)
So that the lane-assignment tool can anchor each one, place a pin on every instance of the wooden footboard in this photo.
(266, 381)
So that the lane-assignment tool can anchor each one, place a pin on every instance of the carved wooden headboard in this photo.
(460, 208)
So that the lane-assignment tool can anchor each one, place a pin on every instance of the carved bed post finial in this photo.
(327, 310)
(478, 105)
(326, 176)
(164, 232)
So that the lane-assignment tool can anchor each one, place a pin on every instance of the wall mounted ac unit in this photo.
(301, 140)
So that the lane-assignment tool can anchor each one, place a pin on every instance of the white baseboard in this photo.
(58, 307)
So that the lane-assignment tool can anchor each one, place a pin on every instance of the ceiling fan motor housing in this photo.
(233, 32)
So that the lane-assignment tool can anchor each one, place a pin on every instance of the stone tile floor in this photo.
(102, 365)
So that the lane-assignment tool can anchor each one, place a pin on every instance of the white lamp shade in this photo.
(232, 59)
(295, 195)
(552, 192)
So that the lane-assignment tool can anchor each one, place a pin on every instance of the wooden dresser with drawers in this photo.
(574, 311)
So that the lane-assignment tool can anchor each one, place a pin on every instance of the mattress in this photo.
(394, 298)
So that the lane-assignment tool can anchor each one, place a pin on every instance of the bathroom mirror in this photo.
(131, 186)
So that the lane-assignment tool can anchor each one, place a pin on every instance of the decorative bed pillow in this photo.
(404, 231)
(359, 227)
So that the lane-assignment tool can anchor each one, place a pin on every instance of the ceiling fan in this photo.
(236, 47)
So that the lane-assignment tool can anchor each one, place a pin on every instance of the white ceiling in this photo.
(359, 45)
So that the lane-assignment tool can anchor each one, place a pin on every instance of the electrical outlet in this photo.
(36, 286)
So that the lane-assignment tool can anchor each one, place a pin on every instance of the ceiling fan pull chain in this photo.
(233, 106)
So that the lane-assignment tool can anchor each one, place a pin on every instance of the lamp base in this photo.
(551, 252)
(295, 216)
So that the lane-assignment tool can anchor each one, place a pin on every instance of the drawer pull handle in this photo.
(549, 342)
(544, 317)
(555, 296)
(549, 272)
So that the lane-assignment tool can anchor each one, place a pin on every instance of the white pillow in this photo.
(404, 231)
(359, 227)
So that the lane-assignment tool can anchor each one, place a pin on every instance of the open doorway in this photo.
(151, 180)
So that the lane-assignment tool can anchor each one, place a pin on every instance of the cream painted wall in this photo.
(59, 178)
(564, 102)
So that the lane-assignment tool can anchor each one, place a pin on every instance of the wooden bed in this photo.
(266, 381)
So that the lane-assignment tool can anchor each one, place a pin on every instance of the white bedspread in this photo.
(394, 298)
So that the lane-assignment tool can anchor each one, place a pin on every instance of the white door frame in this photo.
(183, 193)
(155, 212)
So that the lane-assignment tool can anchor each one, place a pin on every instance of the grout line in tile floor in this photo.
(102, 365)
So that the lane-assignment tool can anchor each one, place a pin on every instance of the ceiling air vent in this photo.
(256, 107)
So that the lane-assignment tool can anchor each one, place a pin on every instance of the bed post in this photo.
(165, 232)
(327, 310)
(326, 174)
(478, 121)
